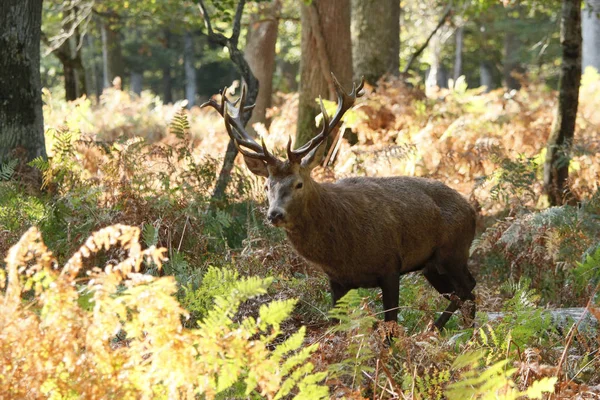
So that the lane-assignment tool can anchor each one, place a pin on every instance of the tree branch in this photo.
(237, 57)
(417, 53)
(237, 22)
(212, 35)
(76, 15)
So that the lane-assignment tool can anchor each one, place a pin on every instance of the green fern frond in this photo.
(587, 273)
(63, 143)
(180, 126)
(7, 170)
(291, 343)
(298, 358)
(40, 163)
(149, 234)
(243, 368)
(275, 312)
(357, 323)
(494, 381)
(349, 312)
(309, 388)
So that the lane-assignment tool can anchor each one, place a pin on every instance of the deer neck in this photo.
(313, 224)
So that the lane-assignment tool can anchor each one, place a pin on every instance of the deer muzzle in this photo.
(276, 216)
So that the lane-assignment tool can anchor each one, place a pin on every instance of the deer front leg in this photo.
(390, 290)
(337, 291)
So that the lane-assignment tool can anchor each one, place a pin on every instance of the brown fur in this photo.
(366, 232)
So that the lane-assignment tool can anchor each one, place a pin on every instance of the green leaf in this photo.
(7, 170)
(275, 312)
(538, 388)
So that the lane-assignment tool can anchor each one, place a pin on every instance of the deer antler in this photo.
(232, 113)
(345, 102)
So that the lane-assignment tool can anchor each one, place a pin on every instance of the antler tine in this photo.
(345, 102)
(266, 156)
(298, 154)
(220, 107)
(232, 113)
(242, 101)
(237, 136)
(289, 148)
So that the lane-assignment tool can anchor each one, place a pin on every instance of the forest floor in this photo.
(137, 162)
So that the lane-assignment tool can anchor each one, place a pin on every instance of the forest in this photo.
(415, 213)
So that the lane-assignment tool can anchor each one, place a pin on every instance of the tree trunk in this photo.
(89, 73)
(105, 71)
(260, 55)
(76, 50)
(287, 72)
(95, 79)
(70, 76)
(511, 61)
(167, 80)
(486, 78)
(69, 54)
(190, 70)
(375, 39)
(136, 82)
(438, 75)
(331, 23)
(137, 61)
(590, 26)
(512, 45)
(556, 167)
(458, 52)
(21, 119)
(112, 56)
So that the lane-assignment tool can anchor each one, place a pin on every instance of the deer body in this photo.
(367, 232)
(364, 232)
(361, 229)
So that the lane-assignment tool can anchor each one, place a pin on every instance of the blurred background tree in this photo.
(86, 44)
(21, 118)
(164, 47)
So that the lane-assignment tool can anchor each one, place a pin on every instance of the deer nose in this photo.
(275, 216)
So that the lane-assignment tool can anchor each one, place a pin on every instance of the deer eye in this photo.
(299, 185)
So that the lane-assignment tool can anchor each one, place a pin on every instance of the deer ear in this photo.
(312, 159)
(257, 167)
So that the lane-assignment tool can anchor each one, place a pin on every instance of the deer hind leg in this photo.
(457, 286)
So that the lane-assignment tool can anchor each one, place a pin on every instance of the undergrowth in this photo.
(120, 332)
(131, 342)
(549, 248)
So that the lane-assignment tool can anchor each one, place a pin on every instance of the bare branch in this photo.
(238, 59)
(417, 53)
(235, 35)
(77, 15)
(212, 35)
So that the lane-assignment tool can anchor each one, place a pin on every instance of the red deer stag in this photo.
(363, 231)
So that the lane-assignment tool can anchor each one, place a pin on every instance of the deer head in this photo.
(290, 188)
